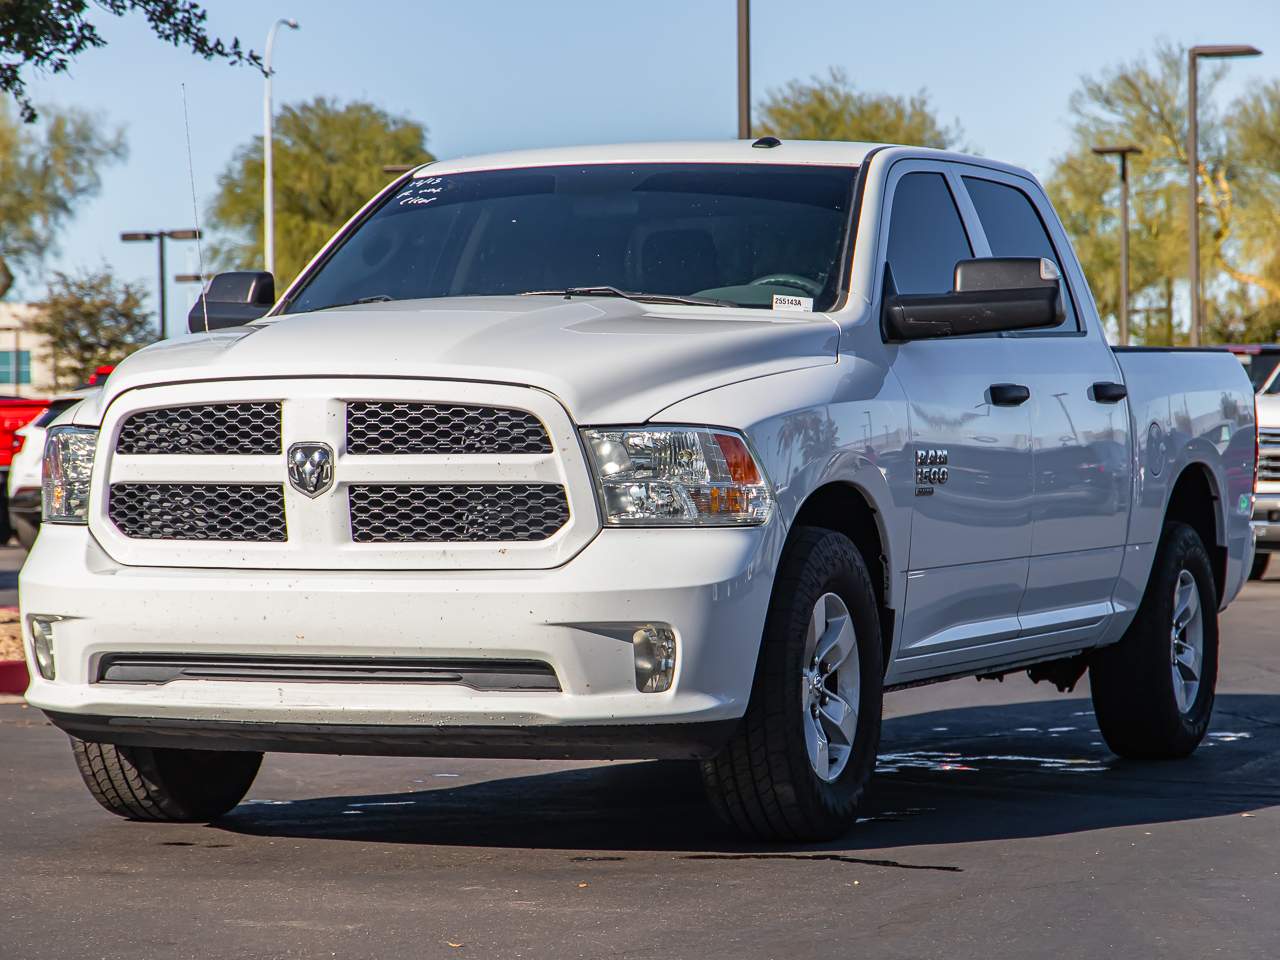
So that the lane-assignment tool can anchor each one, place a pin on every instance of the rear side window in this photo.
(926, 235)
(1014, 228)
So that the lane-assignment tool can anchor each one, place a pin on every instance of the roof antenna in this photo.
(195, 208)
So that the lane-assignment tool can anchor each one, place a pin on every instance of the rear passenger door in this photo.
(970, 528)
(1079, 426)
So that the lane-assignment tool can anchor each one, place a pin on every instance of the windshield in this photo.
(737, 233)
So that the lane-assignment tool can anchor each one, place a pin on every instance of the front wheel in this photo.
(798, 765)
(1153, 691)
(180, 786)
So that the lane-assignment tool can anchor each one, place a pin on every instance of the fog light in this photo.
(655, 651)
(42, 645)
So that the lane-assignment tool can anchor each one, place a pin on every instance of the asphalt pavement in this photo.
(999, 827)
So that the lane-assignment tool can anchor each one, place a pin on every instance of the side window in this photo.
(1014, 228)
(926, 235)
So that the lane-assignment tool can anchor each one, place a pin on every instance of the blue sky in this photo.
(486, 75)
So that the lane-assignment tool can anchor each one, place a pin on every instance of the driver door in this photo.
(971, 518)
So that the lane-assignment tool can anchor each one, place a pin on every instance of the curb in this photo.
(14, 677)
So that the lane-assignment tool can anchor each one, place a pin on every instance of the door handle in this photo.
(1008, 394)
(1108, 392)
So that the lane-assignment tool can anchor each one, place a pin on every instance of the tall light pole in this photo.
(744, 69)
(268, 194)
(1123, 153)
(1210, 51)
(160, 236)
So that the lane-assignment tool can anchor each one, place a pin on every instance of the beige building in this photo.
(25, 370)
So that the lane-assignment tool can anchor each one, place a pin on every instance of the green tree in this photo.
(1253, 140)
(1144, 103)
(46, 171)
(47, 35)
(829, 108)
(91, 320)
(327, 162)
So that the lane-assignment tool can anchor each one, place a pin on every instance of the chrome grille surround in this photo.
(388, 427)
(209, 428)
(450, 513)
(236, 512)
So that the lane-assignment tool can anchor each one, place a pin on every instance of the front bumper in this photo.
(1266, 522)
(711, 586)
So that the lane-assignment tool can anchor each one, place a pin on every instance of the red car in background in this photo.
(16, 413)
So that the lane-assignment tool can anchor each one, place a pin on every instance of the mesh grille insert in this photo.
(215, 428)
(199, 511)
(388, 427)
(456, 513)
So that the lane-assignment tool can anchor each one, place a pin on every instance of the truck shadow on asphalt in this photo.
(954, 776)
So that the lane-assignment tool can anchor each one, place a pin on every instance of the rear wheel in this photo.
(798, 765)
(1259, 568)
(183, 786)
(1153, 691)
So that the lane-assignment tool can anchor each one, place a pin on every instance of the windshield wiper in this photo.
(605, 291)
(376, 298)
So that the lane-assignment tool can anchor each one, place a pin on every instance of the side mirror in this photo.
(989, 295)
(232, 300)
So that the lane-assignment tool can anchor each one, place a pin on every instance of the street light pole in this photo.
(160, 236)
(744, 69)
(1123, 154)
(164, 332)
(1218, 52)
(268, 187)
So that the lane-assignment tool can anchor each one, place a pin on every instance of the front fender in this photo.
(845, 424)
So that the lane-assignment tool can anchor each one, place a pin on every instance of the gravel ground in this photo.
(10, 634)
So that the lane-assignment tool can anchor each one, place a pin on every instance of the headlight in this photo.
(68, 464)
(677, 476)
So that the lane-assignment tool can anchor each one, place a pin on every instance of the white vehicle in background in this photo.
(24, 472)
(1266, 506)
(666, 450)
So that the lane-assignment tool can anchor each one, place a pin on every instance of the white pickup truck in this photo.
(671, 451)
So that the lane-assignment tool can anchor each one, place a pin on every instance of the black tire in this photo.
(1132, 681)
(25, 531)
(1259, 568)
(6, 529)
(762, 783)
(178, 786)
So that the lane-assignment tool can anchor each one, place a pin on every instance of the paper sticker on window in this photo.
(784, 301)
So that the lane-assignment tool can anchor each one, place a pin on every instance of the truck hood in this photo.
(608, 361)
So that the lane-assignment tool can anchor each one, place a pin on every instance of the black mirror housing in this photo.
(232, 300)
(990, 295)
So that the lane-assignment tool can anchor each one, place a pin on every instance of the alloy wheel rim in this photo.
(830, 687)
(1186, 649)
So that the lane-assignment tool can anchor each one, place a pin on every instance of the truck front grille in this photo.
(1269, 436)
(242, 512)
(211, 428)
(378, 427)
(396, 473)
(454, 513)
(1269, 465)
